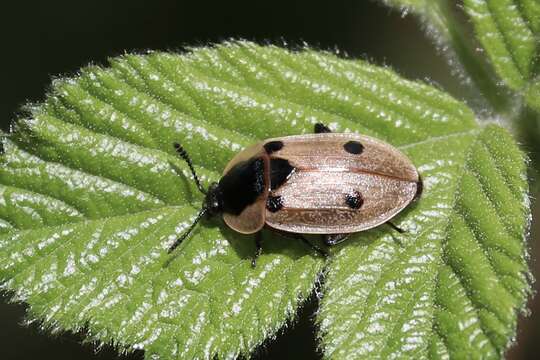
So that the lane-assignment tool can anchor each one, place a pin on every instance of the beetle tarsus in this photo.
(399, 230)
(321, 129)
(397, 241)
(320, 251)
(333, 239)
(395, 227)
(258, 249)
(291, 235)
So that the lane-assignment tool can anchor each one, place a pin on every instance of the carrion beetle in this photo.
(326, 183)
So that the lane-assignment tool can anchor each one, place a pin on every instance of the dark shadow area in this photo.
(47, 39)
(297, 339)
(22, 342)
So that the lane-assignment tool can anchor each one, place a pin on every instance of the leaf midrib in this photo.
(403, 147)
(433, 140)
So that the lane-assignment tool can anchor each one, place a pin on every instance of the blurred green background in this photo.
(42, 40)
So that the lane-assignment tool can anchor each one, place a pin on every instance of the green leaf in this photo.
(505, 51)
(509, 33)
(532, 94)
(443, 23)
(455, 285)
(93, 194)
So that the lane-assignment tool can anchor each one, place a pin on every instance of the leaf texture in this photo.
(92, 194)
(454, 286)
(443, 23)
(509, 32)
(532, 94)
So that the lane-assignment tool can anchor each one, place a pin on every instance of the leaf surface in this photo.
(92, 194)
(509, 31)
(454, 285)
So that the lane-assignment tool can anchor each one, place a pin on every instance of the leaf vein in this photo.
(362, 93)
(504, 38)
(382, 274)
(155, 65)
(312, 107)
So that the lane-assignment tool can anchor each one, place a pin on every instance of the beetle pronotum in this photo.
(326, 183)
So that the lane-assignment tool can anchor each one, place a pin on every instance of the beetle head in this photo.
(213, 202)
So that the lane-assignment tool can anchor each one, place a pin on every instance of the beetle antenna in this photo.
(184, 155)
(188, 231)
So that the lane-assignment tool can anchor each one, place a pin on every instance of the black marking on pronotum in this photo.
(419, 188)
(274, 203)
(354, 200)
(273, 146)
(353, 147)
(280, 171)
(242, 185)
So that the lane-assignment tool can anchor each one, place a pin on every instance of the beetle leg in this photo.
(258, 249)
(393, 226)
(321, 128)
(333, 239)
(304, 240)
(398, 229)
(321, 252)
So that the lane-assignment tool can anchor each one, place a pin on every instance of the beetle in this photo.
(326, 183)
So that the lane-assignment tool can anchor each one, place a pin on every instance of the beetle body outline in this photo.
(326, 183)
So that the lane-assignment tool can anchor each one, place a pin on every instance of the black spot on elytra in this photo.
(353, 147)
(354, 200)
(242, 185)
(273, 146)
(274, 203)
(280, 171)
(321, 129)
